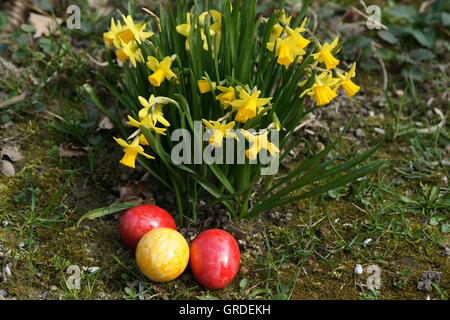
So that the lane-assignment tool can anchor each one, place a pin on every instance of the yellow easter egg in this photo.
(162, 254)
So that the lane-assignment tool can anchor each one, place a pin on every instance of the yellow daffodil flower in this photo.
(215, 28)
(204, 86)
(295, 35)
(147, 122)
(324, 54)
(322, 89)
(248, 105)
(137, 30)
(153, 109)
(112, 37)
(220, 131)
(227, 96)
(131, 152)
(286, 50)
(185, 30)
(161, 70)
(289, 45)
(259, 142)
(278, 28)
(130, 51)
(345, 81)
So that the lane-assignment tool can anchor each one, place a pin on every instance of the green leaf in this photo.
(3, 20)
(100, 212)
(419, 35)
(27, 28)
(403, 12)
(244, 283)
(445, 228)
(387, 36)
(434, 221)
(422, 54)
(445, 19)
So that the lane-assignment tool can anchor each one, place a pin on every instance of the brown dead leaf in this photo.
(101, 6)
(137, 192)
(44, 25)
(71, 151)
(12, 152)
(6, 168)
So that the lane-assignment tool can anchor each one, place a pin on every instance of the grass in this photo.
(397, 219)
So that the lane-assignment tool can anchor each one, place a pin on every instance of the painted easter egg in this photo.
(215, 258)
(162, 254)
(139, 220)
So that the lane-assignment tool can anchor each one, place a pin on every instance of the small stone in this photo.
(360, 133)
(447, 251)
(3, 293)
(7, 272)
(444, 180)
(5, 223)
(358, 269)
(243, 270)
(379, 131)
(367, 241)
(93, 269)
(21, 245)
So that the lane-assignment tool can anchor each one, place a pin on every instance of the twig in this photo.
(367, 17)
(154, 17)
(100, 64)
(437, 127)
(13, 100)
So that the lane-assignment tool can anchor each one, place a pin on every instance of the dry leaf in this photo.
(6, 168)
(101, 6)
(137, 192)
(71, 151)
(44, 25)
(12, 152)
(105, 124)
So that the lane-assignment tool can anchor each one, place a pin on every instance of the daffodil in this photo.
(221, 130)
(185, 30)
(324, 54)
(147, 122)
(131, 152)
(161, 70)
(345, 81)
(216, 27)
(278, 28)
(153, 109)
(130, 51)
(248, 105)
(137, 30)
(286, 50)
(204, 86)
(322, 89)
(227, 96)
(112, 37)
(296, 36)
(259, 142)
(289, 45)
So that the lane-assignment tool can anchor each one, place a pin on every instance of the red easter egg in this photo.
(215, 258)
(137, 221)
